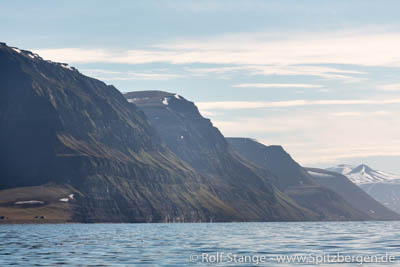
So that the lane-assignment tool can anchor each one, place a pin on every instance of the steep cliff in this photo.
(196, 141)
(60, 128)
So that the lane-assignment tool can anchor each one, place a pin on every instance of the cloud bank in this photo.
(380, 49)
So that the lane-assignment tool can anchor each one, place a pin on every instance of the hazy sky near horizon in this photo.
(320, 78)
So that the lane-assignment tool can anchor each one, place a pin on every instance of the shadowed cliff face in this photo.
(51, 114)
(61, 127)
(195, 140)
(189, 135)
(275, 159)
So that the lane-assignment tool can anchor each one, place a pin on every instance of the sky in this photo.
(321, 78)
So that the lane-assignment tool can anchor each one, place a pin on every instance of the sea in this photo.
(202, 244)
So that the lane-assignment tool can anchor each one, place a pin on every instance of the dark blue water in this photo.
(227, 244)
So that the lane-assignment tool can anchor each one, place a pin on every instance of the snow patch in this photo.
(318, 174)
(16, 50)
(66, 66)
(131, 100)
(66, 199)
(165, 101)
(32, 55)
(29, 202)
(177, 96)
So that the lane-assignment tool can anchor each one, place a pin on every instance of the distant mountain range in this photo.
(363, 174)
(74, 149)
(383, 186)
(315, 188)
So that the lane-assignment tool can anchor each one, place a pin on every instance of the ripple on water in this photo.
(172, 244)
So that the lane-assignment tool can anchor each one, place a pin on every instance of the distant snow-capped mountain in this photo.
(363, 174)
(384, 187)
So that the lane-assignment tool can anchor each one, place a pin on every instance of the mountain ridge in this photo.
(64, 134)
(196, 141)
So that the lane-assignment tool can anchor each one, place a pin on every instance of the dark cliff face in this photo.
(195, 140)
(50, 114)
(295, 181)
(275, 159)
(60, 128)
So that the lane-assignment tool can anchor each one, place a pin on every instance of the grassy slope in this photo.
(53, 210)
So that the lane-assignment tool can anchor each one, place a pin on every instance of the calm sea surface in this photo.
(214, 244)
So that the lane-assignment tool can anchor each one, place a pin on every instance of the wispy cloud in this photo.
(336, 48)
(232, 105)
(360, 114)
(252, 49)
(276, 85)
(395, 87)
(288, 70)
(129, 75)
(334, 56)
(309, 70)
(357, 152)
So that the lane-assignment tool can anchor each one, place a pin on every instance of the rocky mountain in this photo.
(196, 141)
(310, 186)
(383, 186)
(74, 149)
(276, 159)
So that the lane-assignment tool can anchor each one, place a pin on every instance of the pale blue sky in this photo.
(319, 77)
